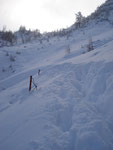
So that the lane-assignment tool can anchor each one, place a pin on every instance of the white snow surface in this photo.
(72, 108)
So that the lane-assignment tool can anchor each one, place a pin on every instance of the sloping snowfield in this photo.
(72, 108)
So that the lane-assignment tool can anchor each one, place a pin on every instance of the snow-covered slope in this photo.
(72, 108)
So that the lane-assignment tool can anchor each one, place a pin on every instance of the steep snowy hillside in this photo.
(72, 108)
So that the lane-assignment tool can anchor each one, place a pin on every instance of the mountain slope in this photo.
(72, 106)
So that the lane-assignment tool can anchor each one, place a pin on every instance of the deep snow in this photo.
(72, 108)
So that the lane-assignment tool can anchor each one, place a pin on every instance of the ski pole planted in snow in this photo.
(30, 82)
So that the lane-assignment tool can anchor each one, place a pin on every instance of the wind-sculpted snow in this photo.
(69, 112)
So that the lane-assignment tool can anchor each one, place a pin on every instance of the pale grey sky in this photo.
(45, 15)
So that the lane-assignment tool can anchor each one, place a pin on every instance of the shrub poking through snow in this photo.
(18, 52)
(68, 50)
(3, 70)
(12, 58)
(7, 54)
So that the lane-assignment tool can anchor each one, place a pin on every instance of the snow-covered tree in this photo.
(22, 31)
(8, 37)
(79, 19)
(90, 45)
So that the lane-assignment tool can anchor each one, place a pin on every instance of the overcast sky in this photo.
(45, 15)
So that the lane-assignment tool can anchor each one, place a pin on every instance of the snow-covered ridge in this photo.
(102, 13)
